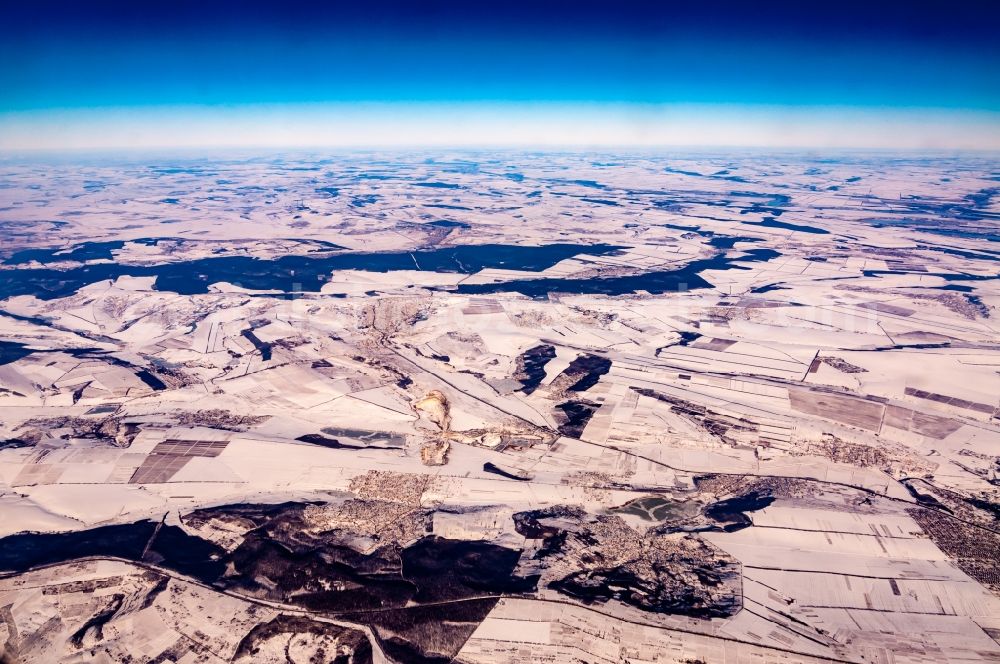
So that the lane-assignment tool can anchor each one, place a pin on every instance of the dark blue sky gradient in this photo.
(142, 52)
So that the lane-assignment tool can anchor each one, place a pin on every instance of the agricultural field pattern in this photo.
(500, 407)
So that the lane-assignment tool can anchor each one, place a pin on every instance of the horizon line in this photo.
(566, 148)
(454, 125)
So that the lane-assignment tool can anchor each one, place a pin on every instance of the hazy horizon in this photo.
(445, 74)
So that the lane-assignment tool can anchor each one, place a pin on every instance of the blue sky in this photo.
(82, 66)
